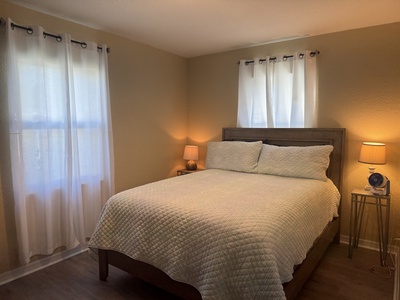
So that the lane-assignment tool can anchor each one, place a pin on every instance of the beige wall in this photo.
(148, 104)
(359, 89)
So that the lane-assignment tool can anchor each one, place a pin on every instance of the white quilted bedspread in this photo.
(231, 235)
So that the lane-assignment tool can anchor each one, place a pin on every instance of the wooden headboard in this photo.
(297, 137)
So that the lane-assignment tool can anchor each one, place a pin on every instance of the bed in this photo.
(199, 247)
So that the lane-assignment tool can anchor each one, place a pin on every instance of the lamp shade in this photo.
(191, 152)
(373, 153)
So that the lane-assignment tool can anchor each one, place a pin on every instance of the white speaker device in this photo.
(380, 184)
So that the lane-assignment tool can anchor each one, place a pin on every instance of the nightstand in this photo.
(184, 171)
(360, 197)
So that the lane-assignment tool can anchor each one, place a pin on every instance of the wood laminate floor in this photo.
(336, 277)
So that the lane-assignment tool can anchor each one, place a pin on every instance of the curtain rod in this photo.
(57, 37)
(285, 57)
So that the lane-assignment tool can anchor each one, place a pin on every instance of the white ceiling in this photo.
(192, 28)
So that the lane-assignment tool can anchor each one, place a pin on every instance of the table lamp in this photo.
(372, 153)
(191, 154)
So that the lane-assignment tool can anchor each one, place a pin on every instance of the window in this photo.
(278, 92)
(60, 138)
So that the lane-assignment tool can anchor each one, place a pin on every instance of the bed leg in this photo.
(336, 238)
(103, 265)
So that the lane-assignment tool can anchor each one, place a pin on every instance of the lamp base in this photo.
(191, 165)
(371, 170)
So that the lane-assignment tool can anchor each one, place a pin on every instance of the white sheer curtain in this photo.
(61, 139)
(281, 92)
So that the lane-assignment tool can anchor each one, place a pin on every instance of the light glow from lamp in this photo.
(191, 154)
(372, 153)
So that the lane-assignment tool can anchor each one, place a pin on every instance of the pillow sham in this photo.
(293, 161)
(233, 156)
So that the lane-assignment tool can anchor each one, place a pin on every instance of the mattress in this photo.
(231, 235)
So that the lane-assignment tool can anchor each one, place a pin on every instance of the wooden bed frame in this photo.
(280, 137)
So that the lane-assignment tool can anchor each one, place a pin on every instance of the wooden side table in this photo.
(360, 197)
(184, 171)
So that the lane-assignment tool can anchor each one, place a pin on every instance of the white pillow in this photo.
(233, 156)
(304, 162)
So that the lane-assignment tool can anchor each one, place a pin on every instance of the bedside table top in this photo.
(185, 171)
(189, 171)
(364, 192)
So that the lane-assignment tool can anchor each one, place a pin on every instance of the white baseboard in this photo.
(39, 264)
(367, 244)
